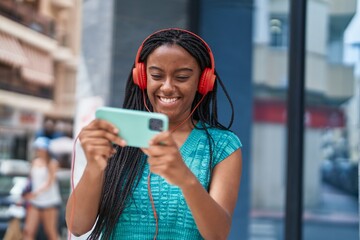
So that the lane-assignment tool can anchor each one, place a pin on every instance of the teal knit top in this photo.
(174, 217)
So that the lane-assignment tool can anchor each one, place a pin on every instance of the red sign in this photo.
(274, 111)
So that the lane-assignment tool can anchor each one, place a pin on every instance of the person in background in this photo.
(50, 129)
(185, 185)
(44, 199)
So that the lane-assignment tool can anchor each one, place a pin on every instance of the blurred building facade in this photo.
(329, 84)
(39, 49)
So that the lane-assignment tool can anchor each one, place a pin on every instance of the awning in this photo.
(35, 65)
(39, 67)
(11, 52)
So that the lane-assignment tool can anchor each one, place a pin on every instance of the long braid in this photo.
(121, 176)
(125, 168)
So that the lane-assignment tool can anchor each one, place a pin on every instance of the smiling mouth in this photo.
(168, 100)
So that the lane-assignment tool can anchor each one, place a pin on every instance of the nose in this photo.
(168, 85)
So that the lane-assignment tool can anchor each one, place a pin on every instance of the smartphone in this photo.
(135, 127)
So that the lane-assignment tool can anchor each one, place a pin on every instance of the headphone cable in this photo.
(149, 175)
(73, 199)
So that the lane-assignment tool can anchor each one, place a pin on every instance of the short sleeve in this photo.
(225, 145)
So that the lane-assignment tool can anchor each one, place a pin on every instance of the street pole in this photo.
(295, 121)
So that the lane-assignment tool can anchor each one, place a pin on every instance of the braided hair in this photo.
(125, 168)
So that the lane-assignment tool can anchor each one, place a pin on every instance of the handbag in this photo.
(13, 231)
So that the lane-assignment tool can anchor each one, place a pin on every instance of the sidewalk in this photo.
(336, 207)
(336, 217)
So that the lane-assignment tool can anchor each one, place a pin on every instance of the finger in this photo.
(107, 127)
(98, 142)
(158, 169)
(99, 133)
(104, 143)
(94, 151)
(163, 138)
(154, 162)
(145, 150)
(102, 157)
(160, 150)
(103, 124)
(161, 160)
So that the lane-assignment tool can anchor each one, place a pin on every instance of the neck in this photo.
(183, 126)
(180, 131)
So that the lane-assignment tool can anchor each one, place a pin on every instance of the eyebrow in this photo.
(177, 70)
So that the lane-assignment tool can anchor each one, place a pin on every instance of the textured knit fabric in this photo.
(175, 218)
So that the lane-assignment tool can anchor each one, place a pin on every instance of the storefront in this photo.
(17, 129)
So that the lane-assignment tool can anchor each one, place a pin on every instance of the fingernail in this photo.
(115, 130)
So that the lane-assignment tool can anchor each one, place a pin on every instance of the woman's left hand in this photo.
(165, 159)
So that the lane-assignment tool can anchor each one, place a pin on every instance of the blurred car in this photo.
(13, 180)
(342, 174)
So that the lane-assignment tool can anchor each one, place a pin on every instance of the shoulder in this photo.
(223, 137)
(224, 142)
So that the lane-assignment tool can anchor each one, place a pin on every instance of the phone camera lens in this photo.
(156, 124)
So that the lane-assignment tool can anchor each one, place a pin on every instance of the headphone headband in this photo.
(212, 61)
(207, 79)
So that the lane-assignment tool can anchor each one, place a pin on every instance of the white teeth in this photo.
(168, 100)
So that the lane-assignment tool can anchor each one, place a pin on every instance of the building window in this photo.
(278, 31)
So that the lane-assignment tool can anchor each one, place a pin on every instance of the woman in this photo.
(44, 198)
(185, 185)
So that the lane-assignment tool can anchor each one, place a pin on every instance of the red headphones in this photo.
(207, 78)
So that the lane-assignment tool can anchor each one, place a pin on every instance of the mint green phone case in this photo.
(135, 127)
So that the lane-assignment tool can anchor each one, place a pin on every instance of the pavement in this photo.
(335, 218)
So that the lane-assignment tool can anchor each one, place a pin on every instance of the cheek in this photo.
(193, 89)
(192, 92)
(151, 86)
(150, 91)
(190, 96)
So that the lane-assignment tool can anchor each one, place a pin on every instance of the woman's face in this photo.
(172, 81)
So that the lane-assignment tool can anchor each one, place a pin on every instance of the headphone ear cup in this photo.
(207, 80)
(135, 76)
(139, 75)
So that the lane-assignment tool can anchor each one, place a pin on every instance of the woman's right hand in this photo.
(28, 196)
(96, 140)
